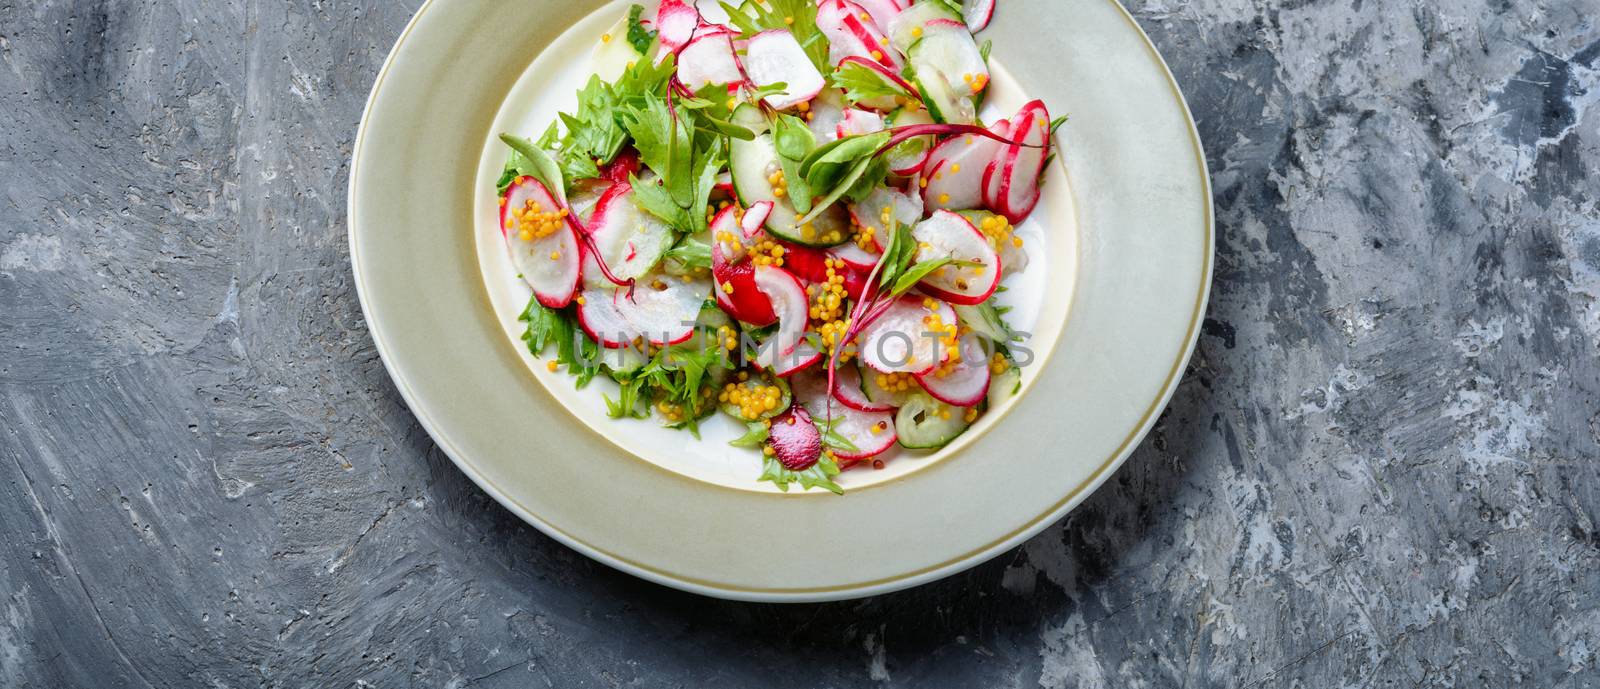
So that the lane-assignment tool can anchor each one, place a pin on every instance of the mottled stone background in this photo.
(1381, 469)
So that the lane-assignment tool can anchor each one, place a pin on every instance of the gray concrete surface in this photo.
(1380, 470)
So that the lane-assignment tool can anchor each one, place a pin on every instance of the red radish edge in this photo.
(881, 70)
(795, 440)
(977, 14)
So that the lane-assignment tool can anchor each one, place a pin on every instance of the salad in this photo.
(791, 215)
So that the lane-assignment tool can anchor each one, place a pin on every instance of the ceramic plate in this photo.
(1119, 265)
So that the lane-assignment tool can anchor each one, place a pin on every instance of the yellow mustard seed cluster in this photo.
(533, 222)
(767, 253)
(780, 185)
(999, 231)
(897, 382)
(827, 297)
(809, 233)
(671, 411)
(971, 415)
(728, 336)
(752, 400)
(976, 82)
(998, 364)
(832, 332)
(865, 236)
(950, 333)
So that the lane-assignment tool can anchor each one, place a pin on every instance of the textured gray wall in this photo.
(1380, 470)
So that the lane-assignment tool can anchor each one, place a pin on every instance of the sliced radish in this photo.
(549, 264)
(599, 317)
(754, 217)
(860, 24)
(724, 186)
(962, 383)
(854, 256)
(953, 177)
(901, 207)
(899, 340)
(909, 157)
(774, 57)
(790, 304)
(803, 357)
(736, 291)
(992, 172)
(847, 389)
(857, 121)
(662, 311)
(842, 42)
(676, 22)
(870, 432)
(1019, 182)
(795, 440)
(856, 67)
(727, 238)
(977, 13)
(883, 11)
(629, 240)
(827, 110)
(948, 235)
(708, 59)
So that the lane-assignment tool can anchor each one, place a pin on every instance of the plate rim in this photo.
(880, 585)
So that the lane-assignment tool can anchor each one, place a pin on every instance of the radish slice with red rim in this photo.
(857, 68)
(854, 256)
(1019, 184)
(599, 317)
(550, 263)
(962, 383)
(708, 59)
(629, 240)
(774, 57)
(790, 304)
(871, 432)
(948, 235)
(977, 13)
(898, 340)
(993, 171)
(883, 11)
(662, 311)
(676, 22)
(954, 173)
(754, 218)
(859, 23)
(847, 389)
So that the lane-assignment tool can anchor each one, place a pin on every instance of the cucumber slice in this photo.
(1005, 386)
(943, 103)
(984, 320)
(903, 31)
(753, 163)
(755, 381)
(925, 423)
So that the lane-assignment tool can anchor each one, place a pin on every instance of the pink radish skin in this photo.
(553, 280)
(774, 57)
(977, 13)
(854, 256)
(897, 340)
(847, 390)
(992, 172)
(795, 440)
(708, 59)
(948, 235)
(629, 240)
(966, 383)
(878, 47)
(954, 172)
(1019, 182)
(789, 302)
(811, 391)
